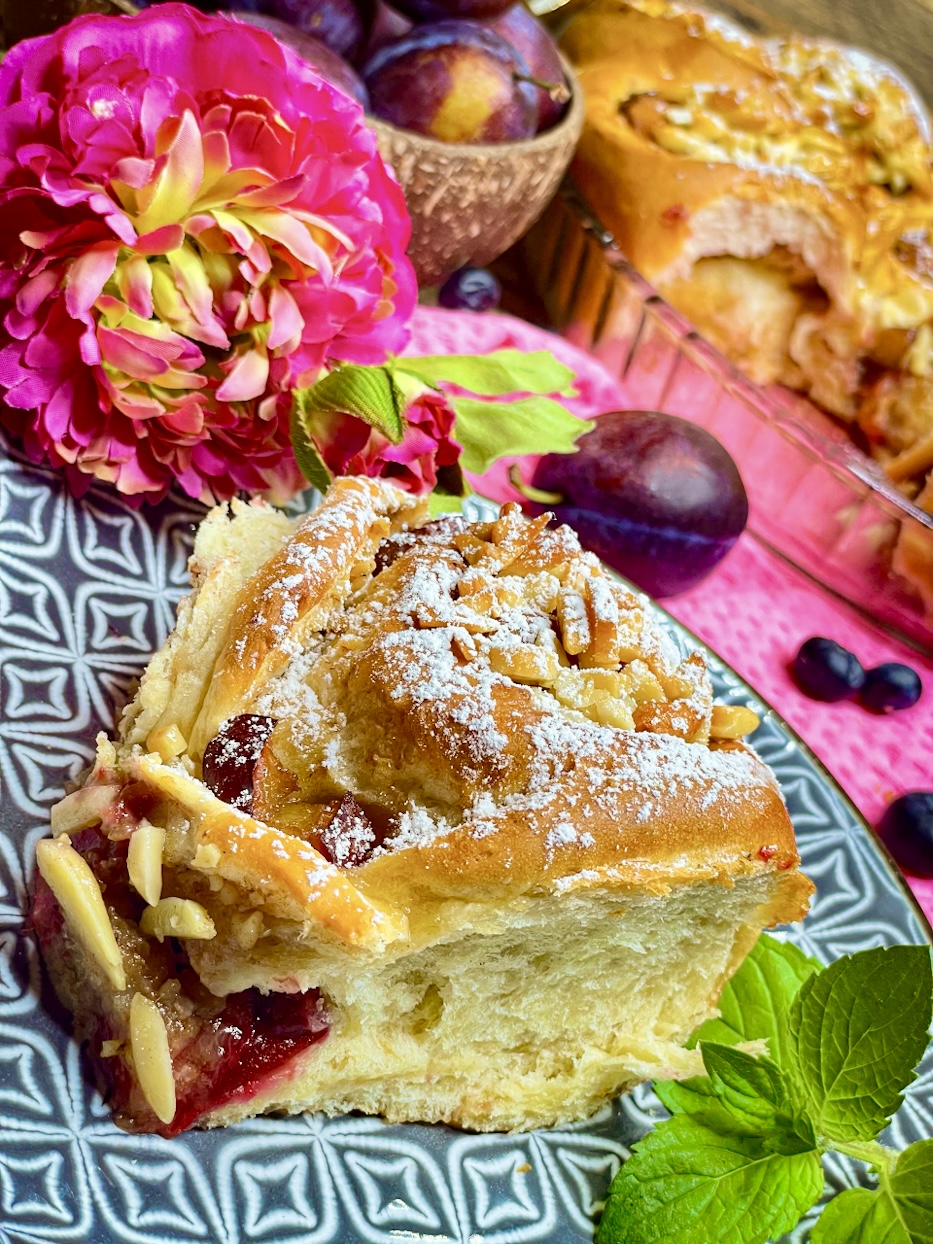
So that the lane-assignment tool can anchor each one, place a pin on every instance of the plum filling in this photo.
(224, 1050)
(230, 758)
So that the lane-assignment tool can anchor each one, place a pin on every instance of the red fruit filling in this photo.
(224, 1050)
(231, 756)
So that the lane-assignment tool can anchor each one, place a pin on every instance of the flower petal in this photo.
(87, 276)
(246, 379)
(180, 180)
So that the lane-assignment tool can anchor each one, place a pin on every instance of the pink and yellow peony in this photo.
(192, 223)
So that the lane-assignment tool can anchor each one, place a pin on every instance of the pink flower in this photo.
(351, 447)
(191, 223)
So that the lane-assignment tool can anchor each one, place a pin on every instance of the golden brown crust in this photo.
(703, 145)
(287, 595)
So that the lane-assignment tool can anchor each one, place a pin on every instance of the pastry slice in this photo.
(421, 819)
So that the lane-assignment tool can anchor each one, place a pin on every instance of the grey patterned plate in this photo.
(87, 591)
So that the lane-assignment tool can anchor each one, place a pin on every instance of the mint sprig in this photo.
(485, 429)
(740, 1160)
(856, 1032)
(898, 1211)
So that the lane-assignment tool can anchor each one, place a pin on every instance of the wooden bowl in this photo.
(470, 202)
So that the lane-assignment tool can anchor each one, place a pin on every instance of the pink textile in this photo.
(754, 610)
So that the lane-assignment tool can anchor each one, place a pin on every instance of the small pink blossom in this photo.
(351, 447)
(192, 222)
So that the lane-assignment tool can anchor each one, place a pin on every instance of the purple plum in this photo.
(329, 65)
(384, 24)
(654, 496)
(456, 81)
(442, 10)
(335, 22)
(522, 29)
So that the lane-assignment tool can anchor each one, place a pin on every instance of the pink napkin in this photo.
(754, 610)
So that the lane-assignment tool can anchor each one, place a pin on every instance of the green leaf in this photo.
(495, 374)
(900, 1211)
(687, 1183)
(856, 1032)
(697, 1098)
(531, 425)
(848, 1215)
(754, 1093)
(443, 503)
(755, 1003)
(310, 462)
(369, 393)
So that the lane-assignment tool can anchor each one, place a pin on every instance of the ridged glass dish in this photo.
(815, 497)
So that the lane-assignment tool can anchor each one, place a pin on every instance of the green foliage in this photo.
(740, 1160)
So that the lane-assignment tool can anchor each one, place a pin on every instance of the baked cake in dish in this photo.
(422, 819)
(777, 192)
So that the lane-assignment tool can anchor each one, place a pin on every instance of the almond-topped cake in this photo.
(425, 819)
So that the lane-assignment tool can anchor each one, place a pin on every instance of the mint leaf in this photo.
(848, 1215)
(697, 1098)
(368, 393)
(310, 462)
(900, 1211)
(856, 1032)
(754, 1093)
(755, 1002)
(495, 374)
(687, 1183)
(531, 425)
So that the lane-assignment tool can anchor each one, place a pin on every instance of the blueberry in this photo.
(827, 671)
(891, 686)
(907, 831)
(470, 289)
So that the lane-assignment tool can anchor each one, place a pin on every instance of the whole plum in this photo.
(329, 65)
(441, 10)
(383, 24)
(522, 29)
(654, 496)
(455, 81)
(335, 22)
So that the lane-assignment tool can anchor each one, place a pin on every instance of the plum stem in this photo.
(559, 92)
(529, 492)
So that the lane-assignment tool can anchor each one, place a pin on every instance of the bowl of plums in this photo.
(473, 105)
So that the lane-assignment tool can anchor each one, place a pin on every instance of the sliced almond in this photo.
(177, 917)
(168, 741)
(82, 808)
(602, 611)
(144, 861)
(74, 885)
(248, 929)
(572, 619)
(526, 663)
(152, 1058)
(733, 721)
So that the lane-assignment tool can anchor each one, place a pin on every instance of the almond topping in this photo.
(152, 1058)
(526, 663)
(177, 917)
(572, 619)
(82, 808)
(144, 861)
(74, 885)
(168, 741)
(733, 721)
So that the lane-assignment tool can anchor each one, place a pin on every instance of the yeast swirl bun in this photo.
(492, 824)
(779, 194)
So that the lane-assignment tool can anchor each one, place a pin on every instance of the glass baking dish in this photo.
(815, 498)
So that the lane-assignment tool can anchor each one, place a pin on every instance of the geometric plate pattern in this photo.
(88, 590)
